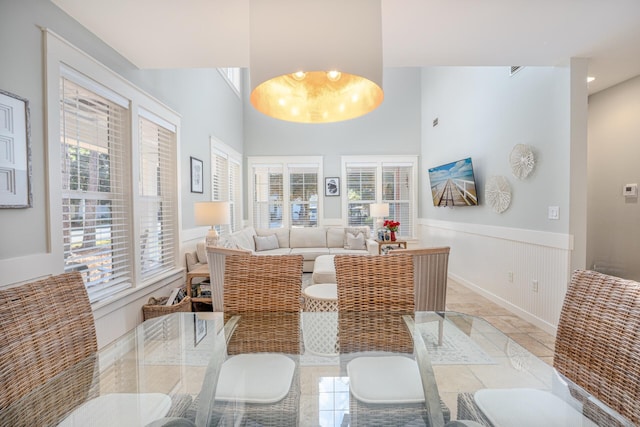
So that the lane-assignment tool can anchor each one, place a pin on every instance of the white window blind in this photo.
(361, 192)
(303, 195)
(235, 194)
(226, 178)
(377, 179)
(268, 196)
(156, 207)
(397, 191)
(94, 169)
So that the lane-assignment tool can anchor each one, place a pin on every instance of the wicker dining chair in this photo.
(265, 291)
(48, 352)
(596, 348)
(374, 293)
(216, 257)
(430, 271)
(46, 327)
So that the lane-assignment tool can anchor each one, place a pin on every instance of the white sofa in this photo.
(308, 242)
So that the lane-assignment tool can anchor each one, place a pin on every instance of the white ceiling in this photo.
(215, 33)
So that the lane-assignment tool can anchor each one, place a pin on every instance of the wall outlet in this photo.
(510, 276)
(534, 285)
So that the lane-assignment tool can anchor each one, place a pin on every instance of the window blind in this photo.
(227, 186)
(361, 192)
(268, 196)
(303, 195)
(95, 222)
(156, 192)
(396, 190)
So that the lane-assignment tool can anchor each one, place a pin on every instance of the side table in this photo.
(201, 271)
(398, 244)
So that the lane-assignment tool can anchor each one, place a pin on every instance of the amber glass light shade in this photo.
(315, 62)
(316, 98)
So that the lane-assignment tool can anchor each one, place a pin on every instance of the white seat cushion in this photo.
(255, 378)
(525, 407)
(119, 409)
(387, 379)
(324, 270)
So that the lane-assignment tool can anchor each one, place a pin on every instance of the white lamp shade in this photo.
(379, 210)
(315, 37)
(212, 213)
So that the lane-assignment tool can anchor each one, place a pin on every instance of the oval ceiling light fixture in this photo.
(315, 62)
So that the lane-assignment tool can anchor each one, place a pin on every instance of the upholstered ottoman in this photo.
(323, 270)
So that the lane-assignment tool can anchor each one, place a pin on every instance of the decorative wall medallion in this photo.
(521, 160)
(497, 191)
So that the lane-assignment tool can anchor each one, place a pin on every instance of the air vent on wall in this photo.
(514, 69)
(435, 122)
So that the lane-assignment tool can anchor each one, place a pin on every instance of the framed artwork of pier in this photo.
(453, 184)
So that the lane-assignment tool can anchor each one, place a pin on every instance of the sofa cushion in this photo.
(335, 237)
(279, 251)
(355, 241)
(343, 251)
(265, 243)
(308, 238)
(244, 238)
(309, 254)
(281, 233)
(202, 253)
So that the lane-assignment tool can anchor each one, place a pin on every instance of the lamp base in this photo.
(212, 238)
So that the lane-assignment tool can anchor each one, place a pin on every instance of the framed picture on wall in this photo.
(332, 186)
(196, 175)
(15, 155)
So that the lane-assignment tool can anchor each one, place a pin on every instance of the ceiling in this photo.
(215, 33)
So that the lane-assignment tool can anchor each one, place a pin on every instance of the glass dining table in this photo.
(169, 370)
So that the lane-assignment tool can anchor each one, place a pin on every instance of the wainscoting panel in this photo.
(524, 271)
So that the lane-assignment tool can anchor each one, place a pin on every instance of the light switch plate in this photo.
(630, 190)
(554, 212)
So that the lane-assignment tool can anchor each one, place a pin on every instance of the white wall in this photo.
(482, 114)
(613, 244)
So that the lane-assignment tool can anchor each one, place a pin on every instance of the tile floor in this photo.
(464, 300)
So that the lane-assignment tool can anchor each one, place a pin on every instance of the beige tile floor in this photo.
(464, 300)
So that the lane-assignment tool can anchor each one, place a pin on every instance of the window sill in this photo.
(128, 296)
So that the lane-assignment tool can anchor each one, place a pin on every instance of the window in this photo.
(95, 224)
(226, 179)
(232, 75)
(156, 213)
(388, 179)
(113, 178)
(285, 191)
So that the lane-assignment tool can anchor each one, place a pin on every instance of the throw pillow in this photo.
(265, 243)
(355, 242)
(354, 231)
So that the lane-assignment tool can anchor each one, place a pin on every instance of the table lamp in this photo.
(379, 211)
(212, 214)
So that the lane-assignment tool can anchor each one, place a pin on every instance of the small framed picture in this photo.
(196, 175)
(200, 330)
(332, 186)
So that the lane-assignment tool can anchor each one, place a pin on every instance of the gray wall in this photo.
(393, 128)
(207, 104)
(482, 114)
(613, 227)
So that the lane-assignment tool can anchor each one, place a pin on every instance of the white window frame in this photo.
(378, 162)
(233, 77)
(59, 54)
(285, 162)
(219, 148)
